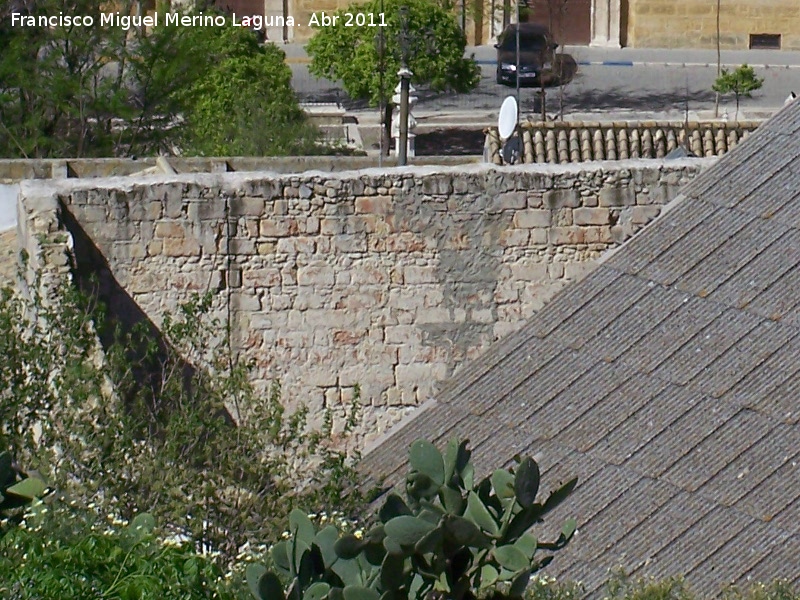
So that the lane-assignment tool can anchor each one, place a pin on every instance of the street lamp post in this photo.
(419, 40)
(402, 150)
(518, 61)
(381, 100)
(405, 81)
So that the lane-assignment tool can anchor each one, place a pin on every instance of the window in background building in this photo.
(765, 41)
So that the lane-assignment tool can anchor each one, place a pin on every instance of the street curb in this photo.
(630, 63)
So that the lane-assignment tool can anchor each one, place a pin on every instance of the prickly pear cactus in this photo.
(16, 488)
(449, 538)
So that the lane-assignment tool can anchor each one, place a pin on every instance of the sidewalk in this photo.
(628, 57)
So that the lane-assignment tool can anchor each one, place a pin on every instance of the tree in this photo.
(106, 91)
(352, 55)
(559, 8)
(740, 82)
(60, 87)
(243, 104)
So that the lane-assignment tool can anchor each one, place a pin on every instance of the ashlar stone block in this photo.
(532, 217)
(590, 216)
(615, 196)
(567, 198)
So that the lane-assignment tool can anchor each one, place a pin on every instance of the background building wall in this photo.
(692, 23)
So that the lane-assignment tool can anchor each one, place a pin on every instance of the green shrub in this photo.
(777, 590)
(621, 587)
(542, 587)
(68, 553)
(742, 81)
(193, 443)
(243, 104)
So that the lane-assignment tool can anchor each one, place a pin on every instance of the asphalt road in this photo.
(657, 89)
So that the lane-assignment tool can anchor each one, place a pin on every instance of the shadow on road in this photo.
(483, 96)
(626, 99)
(580, 94)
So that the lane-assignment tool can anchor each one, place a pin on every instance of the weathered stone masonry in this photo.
(389, 280)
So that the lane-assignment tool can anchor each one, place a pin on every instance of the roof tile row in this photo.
(562, 142)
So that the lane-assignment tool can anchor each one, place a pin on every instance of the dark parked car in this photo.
(536, 54)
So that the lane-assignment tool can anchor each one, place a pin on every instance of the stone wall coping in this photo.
(236, 179)
(14, 170)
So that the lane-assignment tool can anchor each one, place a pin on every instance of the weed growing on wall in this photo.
(776, 590)
(142, 428)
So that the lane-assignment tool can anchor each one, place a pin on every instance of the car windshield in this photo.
(527, 41)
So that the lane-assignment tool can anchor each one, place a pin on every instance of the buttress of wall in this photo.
(388, 280)
(46, 246)
(693, 24)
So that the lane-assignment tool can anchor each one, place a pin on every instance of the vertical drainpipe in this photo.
(381, 100)
(285, 7)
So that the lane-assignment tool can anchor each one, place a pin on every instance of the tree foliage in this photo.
(353, 55)
(243, 103)
(60, 87)
(103, 91)
(740, 82)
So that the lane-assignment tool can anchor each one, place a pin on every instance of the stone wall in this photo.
(692, 24)
(385, 279)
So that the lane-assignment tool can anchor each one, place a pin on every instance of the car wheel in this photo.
(499, 76)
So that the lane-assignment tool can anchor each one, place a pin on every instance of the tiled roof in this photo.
(668, 381)
(571, 142)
